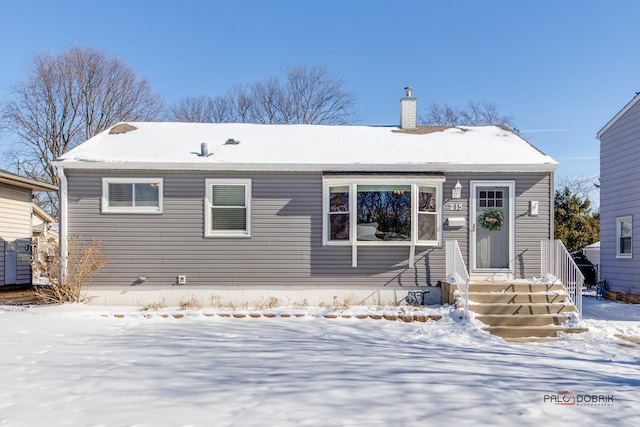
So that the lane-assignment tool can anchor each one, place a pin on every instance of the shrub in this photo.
(192, 304)
(83, 260)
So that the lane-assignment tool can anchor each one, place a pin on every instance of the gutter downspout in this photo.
(64, 225)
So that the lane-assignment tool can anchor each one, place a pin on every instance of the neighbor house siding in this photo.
(2, 261)
(620, 196)
(285, 248)
(15, 233)
(15, 213)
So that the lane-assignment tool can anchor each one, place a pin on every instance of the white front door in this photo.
(492, 231)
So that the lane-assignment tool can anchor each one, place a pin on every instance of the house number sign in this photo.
(456, 206)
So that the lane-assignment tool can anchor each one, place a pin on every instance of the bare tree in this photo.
(582, 187)
(66, 99)
(307, 94)
(474, 114)
(316, 96)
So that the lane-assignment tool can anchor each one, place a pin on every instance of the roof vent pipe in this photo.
(204, 150)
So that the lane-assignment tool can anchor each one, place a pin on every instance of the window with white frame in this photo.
(624, 234)
(132, 195)
(382, 211)
(228, 208)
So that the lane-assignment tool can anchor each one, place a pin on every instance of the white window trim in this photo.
(353, 184)
(131, 209)
(619, 220)
(209, 183)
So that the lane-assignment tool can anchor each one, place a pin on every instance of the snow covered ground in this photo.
(76, 365)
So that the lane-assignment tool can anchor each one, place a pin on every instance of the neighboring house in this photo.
(20, 219)
(309, 213)
(620, 200)
(44, 224)
(592, 252)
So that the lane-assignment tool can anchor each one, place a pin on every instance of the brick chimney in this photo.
(408, 110)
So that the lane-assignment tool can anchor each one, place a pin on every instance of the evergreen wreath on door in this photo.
(492, 219)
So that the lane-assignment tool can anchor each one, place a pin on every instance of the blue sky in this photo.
(561, 68)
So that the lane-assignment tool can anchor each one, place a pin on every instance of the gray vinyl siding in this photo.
(620, 196)
(2, 261)
(23, 268)
(15, 227)
(285, 248)
(529, 230)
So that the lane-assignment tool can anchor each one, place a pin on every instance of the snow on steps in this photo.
(522, 312)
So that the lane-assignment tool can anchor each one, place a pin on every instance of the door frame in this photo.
(506, 273)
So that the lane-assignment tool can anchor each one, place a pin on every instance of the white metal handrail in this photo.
(556, 261)
(457, 272)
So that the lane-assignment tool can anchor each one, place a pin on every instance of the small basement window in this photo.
(132, 195)
(228, 208)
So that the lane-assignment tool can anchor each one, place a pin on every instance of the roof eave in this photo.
(23, 182)
(314, 167)
(617, 117)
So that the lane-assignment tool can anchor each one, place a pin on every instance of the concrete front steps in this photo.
(522, 312)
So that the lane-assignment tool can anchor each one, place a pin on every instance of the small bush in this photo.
(261, 303)
(83, 260)
(192, 303)
(157, 305)
(301, 304)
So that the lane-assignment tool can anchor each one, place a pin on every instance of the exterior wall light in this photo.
(456, 191)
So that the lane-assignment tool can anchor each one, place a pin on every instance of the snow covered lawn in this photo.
(80, 365)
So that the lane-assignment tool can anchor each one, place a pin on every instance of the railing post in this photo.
(457, 271)
(558, 262)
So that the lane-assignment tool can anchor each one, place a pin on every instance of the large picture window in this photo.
(228, 208)
(624, 232)
(383, 211)
(132, 195)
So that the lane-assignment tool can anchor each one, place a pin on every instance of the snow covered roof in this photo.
(595, 245)
(170, 145)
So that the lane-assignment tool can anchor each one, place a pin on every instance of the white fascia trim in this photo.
(621, 113)
(313, 167)
(64, 223)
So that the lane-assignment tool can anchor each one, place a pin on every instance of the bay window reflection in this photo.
(427, 213)
(381, 211)
(384, 212)
(339, 213)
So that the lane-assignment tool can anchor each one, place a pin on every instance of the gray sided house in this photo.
(620, 200)
(20, 221)
(303, 213)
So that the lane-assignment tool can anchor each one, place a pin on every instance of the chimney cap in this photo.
(408, 90)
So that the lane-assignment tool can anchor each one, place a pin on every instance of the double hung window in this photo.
(228, 208)
(624, 234)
